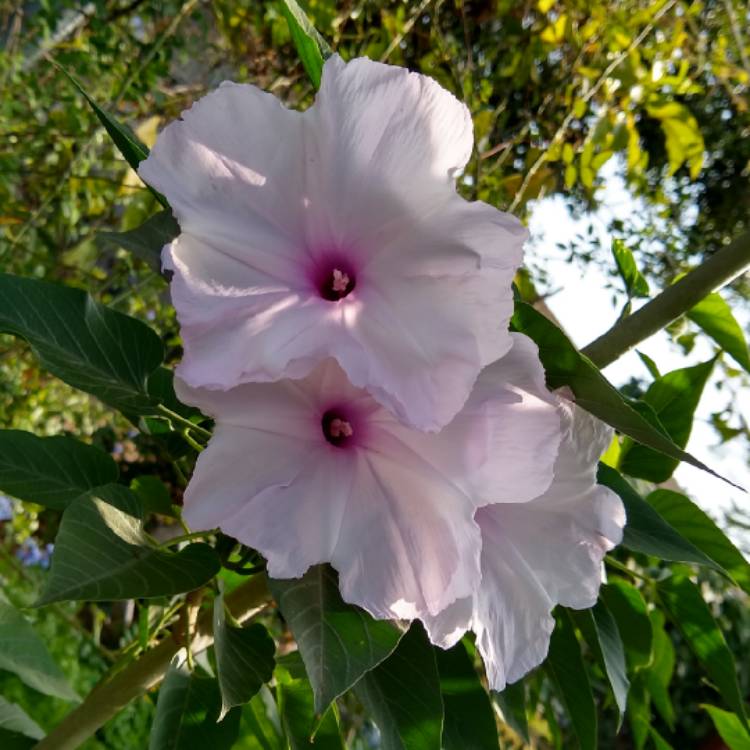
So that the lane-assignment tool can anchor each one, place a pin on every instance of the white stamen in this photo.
(340, 428)
(340, 281)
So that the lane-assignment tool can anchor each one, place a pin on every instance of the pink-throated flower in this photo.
(538, 554)
(336, 232)
(315, 470)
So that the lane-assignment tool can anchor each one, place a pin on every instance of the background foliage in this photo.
(557, 89)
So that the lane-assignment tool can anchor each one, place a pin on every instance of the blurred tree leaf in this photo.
(187, 713)
(299, 719)
(646, 530)
(512, 702)
(674, 397)
(338, 642)
(402, 694)
(23, 652)
(696, 526)
(729, 727)
(102, 553)
(17, 730)
(244, 658)
(566, 667)
(51, 471)
(154, 496)
(686, 608)
(469, 721)
(715, 317)
(89, 346)
(635, 283)
(260, 728)
(147, 241)
(659, 674)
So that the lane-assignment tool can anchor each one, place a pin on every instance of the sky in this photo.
(584, 306)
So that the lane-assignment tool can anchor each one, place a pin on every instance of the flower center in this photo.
(336, 429)
(337, 285)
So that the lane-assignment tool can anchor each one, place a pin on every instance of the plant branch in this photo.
(114, 692)
(718, 270)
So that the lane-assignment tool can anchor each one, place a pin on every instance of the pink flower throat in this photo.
(337, 429)
(336, 284)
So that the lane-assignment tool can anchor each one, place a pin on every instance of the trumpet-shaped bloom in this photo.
(315, 470)
(336, 232)
(536, 555)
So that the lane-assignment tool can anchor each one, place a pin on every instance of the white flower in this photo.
(536, 555)
(315, 470)
(336, 232)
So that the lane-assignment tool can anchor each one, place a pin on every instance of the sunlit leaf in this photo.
(102, 552)
(729, 727)
(51, 471)
(17, 730)
(715, 317)
(635, 283)
(338, 642)
(311, 47)
(659, 673)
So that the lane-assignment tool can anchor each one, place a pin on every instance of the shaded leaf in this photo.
(311, 47)
(187, 711)
(639, 712)
(566, 366)
(695, 525)
(715, 317)
(512, 702)
(686, 608)
(635, 284)
(629, 609)
(299, 720)
(147, 240)
(260, 728)
(660, 671)
(729, 727)
(51, 471)
(17, 730)
(102, 553)
(645, 530)
(89, 346)
(674, 397)
(23, 652)
(244, 658)
(338, 642)
(566, 667)
(154, 495)
(469, 721)
(410, 717)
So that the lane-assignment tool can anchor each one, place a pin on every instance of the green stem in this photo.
(175, 417)
(718, 270)
(625, 569)
(114, 692)
(187, 537)
(191, 441)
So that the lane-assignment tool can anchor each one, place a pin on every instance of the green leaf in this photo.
(187, 712)
(646, 531)
(566, 366)
(338, 642)
(674, 398)
(311, 47)
(244, 658)
(23, 652)
(635, 284)
(403, 695)
(715, 317)
(658, 676)
(658, 741)
(696, 526)
(126, 141)
(89, 346)
(649, 363)
(729, 727)
(629, 609)
(17, 730)
(639, 712)
(512, 702)
(298, 718)
(154, 495)
(261, 725)
(51, 471)
(469, 720)
(566, 667)
(686, 608)
(102, 553)
(147, 240)
(600, 631)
